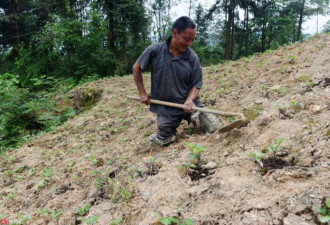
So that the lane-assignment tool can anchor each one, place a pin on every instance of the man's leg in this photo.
(166, 129)
(167, 125)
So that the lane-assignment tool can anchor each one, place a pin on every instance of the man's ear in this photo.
(174, 32)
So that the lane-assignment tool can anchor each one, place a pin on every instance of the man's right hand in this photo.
(145, 98)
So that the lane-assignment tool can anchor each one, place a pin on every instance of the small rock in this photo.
(258, 101)
(306, 162)
(315, 109)
(225, 153)
(276, 222)
(210, 165)
(293, 219)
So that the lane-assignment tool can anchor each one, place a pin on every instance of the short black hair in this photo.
(183, 23)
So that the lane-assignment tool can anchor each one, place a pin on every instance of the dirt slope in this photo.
(101, 158)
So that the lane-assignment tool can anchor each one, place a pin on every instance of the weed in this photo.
(146, 133)
(324, 212)
(19, 169)
(305, 78)
(55, 215)
(280, 89)
(295, 104)
(173, 220)
(70, 167)
(9, 196)
(256, 156)
(120, 189)
(84, 210)
(221, 90)
(250, 76)
(48, 171)
(41, 183)
(93, 159)
(116, 221)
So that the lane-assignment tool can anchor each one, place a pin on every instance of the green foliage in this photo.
(196, 151)
(83, 210)
(26, 112)
(324, 212)
(116, 221)
(90, 220)
(173, 220)
(256, 156)
(120, 189)
(276, 146)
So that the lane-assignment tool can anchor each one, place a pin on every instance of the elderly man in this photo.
(176, 76)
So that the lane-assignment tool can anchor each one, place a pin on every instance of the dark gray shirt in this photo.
(171, 78)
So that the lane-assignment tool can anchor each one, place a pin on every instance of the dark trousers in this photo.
(167, 124)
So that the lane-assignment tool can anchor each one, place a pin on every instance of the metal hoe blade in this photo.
(232, 125)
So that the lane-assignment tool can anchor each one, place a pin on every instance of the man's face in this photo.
(183, 40)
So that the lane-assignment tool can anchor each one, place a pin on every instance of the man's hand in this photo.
(145, 98)
(188, 106)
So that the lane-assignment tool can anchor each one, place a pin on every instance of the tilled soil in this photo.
(99, 167)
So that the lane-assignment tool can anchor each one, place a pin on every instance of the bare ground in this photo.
(101, 158)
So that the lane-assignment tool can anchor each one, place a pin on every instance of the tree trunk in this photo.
(301, 15)
(228, 30)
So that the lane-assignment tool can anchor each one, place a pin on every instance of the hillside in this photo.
(101, 158)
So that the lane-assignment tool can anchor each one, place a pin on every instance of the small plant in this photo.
(294, 103)
(55, 215)
(9, 196)
(196, 151)
(82, 211)
(90, 220)
(324, 212)
(41, 183)
(276, 146)
(93, 159)
(173, 220)
(256, 156)
(116, 221)
(48, 171)
(70, 167)
(280, 89)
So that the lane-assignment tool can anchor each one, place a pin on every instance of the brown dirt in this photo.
(102, 157)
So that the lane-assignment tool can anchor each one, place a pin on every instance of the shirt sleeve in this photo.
(145, 58)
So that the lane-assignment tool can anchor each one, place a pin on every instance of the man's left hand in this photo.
(188, 106)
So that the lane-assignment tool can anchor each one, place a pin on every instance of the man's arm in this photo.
(192, 95)
(137, 73)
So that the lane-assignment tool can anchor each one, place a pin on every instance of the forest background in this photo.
(49, 47)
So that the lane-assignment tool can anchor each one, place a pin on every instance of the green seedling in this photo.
(9, 196)
(295, 104)
(44, 212)
(116, 221)
(256, 156)
(324, 212)
(280, 90)
(48, 171)
(55, 215)
(196, 151)
(276, 146)
(93, 159)
(173, 220)
(90, 220)
(70, 167)
(82, 211)
(41, 183)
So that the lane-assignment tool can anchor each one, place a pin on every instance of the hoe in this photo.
(229, 127)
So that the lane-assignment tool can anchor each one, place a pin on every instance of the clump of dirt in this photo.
(101, 165)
